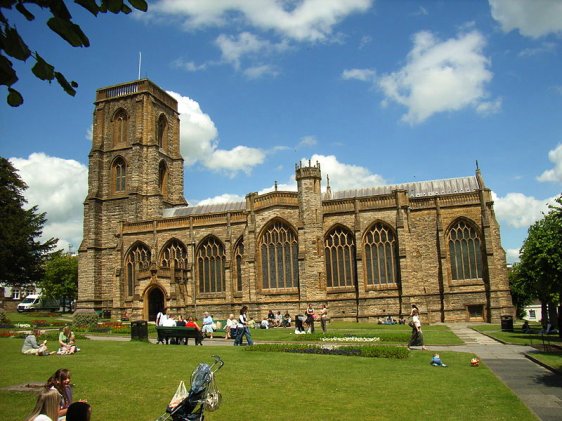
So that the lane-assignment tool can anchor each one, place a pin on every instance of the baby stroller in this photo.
(203, 395)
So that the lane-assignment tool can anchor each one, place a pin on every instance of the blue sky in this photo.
(377, 91)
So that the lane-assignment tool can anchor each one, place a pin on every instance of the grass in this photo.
(135, 380)
(552, 359)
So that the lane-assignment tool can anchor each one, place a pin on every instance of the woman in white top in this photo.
(46, 407)
(243, 329)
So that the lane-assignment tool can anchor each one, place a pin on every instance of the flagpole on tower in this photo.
(140, 61)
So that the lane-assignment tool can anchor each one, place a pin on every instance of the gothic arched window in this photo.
(163, 178)
(120, 120)
(210, 264)
(381, 266)
(339, 249)
(137, 260)
(279, 252)
(239, 260)
(119, 175)
(174, 255)
(162, 131)
(464, 251)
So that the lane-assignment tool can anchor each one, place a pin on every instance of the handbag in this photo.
(411, 323)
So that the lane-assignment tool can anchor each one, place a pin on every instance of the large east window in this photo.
(339, 250)
(464, 251)
(381, 266)
(279, 251)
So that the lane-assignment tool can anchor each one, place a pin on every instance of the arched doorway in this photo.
(155, 302)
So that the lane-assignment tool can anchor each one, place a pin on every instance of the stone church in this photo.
(366, 253)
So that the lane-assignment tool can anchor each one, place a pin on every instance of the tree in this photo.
(522, 293)
(541, 262)
(12, 44)
(21, 254)
(61, 277)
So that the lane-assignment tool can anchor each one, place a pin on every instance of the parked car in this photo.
(37, 302)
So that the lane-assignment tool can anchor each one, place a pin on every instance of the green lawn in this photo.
(135, 381)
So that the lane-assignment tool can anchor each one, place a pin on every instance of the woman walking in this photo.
(324, 318)
(417, 335)
(243, 328)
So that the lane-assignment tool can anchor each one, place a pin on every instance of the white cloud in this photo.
(439, 76)
(307, 142)
(58, 187)
(544, 48)
(190, 66)
(89, 133)
(345, 176)
(512, 255)
(532, 18)
(223, 198)
(305, 20)
(199, 142)
(488, 108)
(554, 174)
(233, 48)
(518, 210)
(256, 72)
(364, 75)
(240, 158)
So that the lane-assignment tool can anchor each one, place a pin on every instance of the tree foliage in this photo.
(61, 277)
(21, 253)
(540, 268)
(12, 44)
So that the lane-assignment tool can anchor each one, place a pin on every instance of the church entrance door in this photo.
(155, 303)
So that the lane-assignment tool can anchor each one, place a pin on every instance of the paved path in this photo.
(540, 389)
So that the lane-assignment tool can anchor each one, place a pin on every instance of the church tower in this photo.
(312, 272)
(135, 172)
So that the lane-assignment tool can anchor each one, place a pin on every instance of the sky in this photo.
(376, 91)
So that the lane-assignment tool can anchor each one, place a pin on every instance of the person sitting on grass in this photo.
(60, 381)
(31, 347)
(46, 407)
(525, 328)
(66, 342)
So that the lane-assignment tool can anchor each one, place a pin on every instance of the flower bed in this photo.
(383, 351)
(350, 339)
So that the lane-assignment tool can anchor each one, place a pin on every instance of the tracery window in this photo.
(339, 250)
(163, 178)
(174, 255)
(279, 257)
(120, 120)
(238, 258)
(381, 265)
(464, 251)
(137, 260)
(210, 263)
(162, 131)
(119, 171)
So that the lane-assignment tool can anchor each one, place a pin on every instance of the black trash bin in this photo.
(139, 330)
(106, 314)
(507, 323)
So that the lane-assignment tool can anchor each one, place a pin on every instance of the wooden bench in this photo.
(177, 333)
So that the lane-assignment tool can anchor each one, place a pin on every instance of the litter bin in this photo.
(139, 330)
(106, 314)
(507, 323)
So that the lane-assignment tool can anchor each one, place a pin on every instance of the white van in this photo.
(36, 303)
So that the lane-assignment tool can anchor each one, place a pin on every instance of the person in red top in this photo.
(191, 323)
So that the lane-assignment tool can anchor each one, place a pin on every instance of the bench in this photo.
(165, 333)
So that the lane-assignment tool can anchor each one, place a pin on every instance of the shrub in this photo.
(362, 351)
(3, 316)
(85, 319)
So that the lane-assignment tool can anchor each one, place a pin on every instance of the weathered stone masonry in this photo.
(144, 248)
